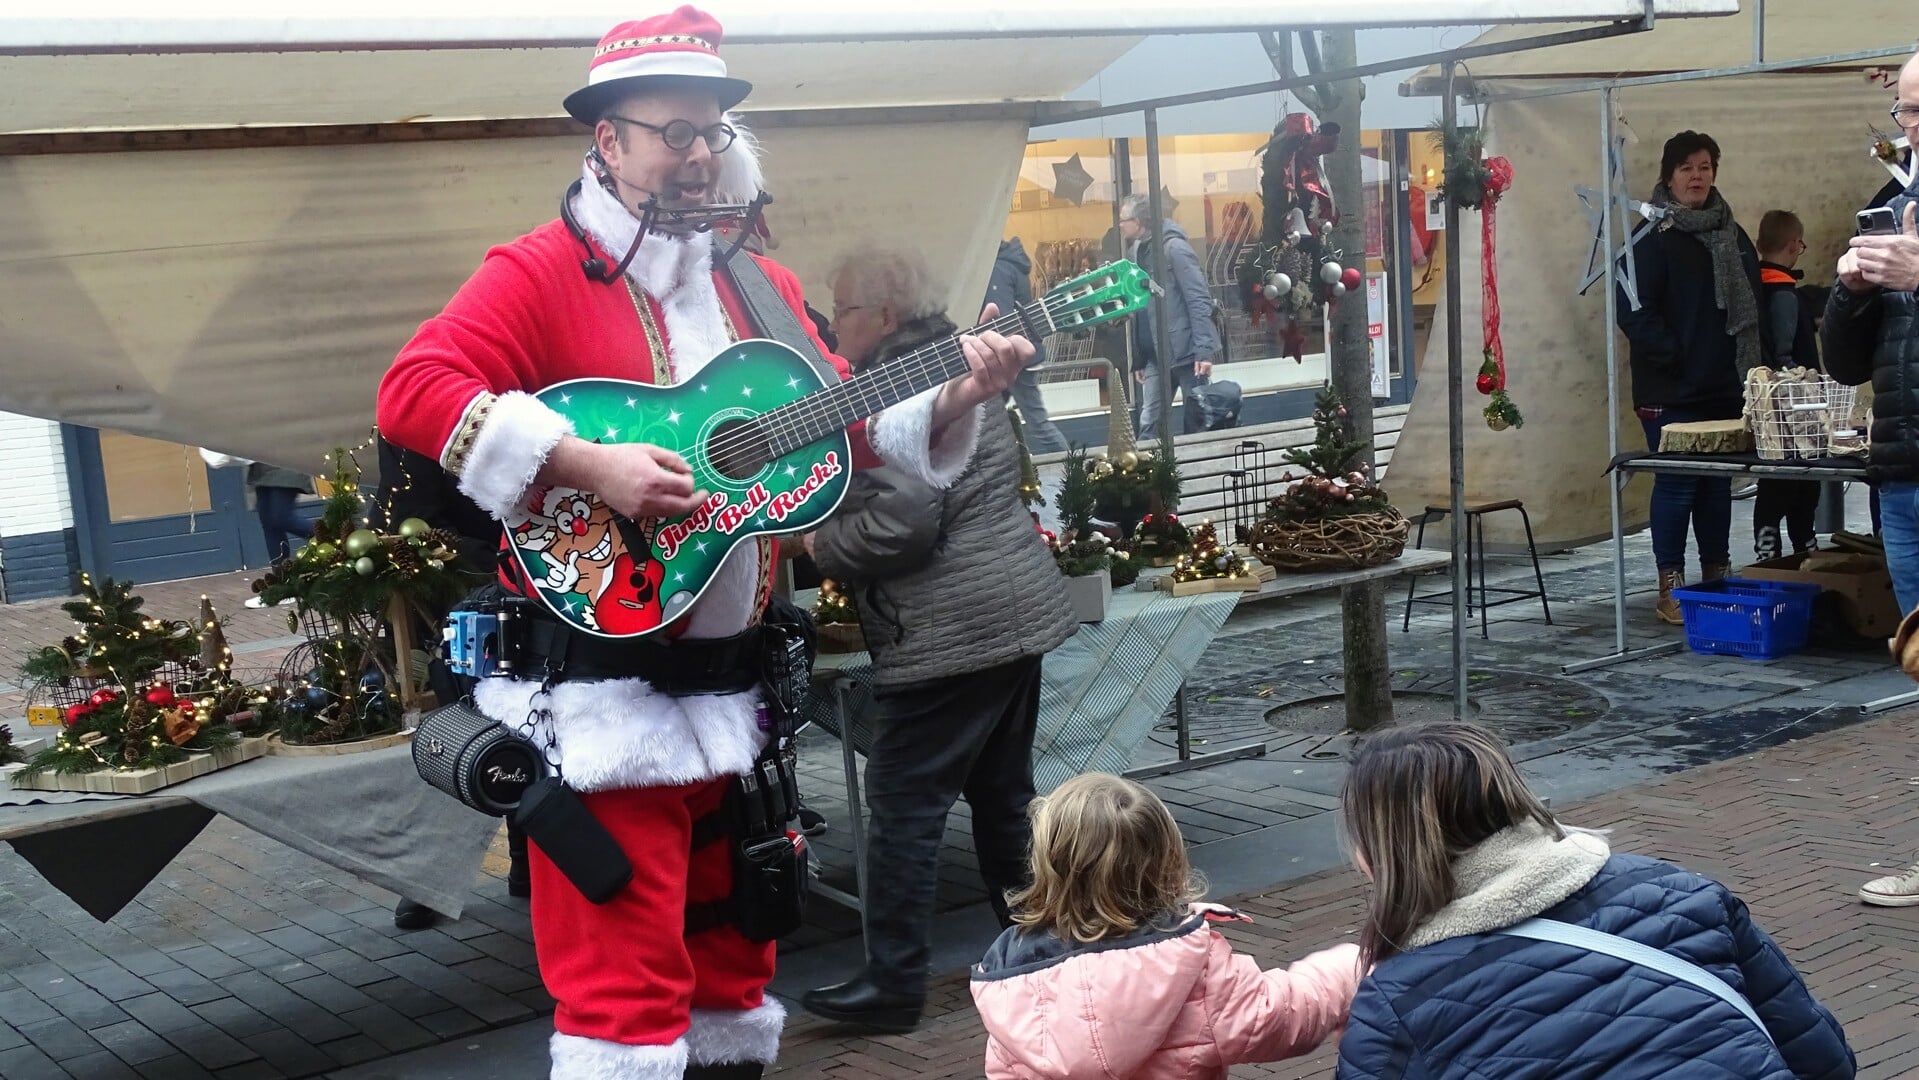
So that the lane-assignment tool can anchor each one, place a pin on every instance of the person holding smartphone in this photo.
(1872, 334)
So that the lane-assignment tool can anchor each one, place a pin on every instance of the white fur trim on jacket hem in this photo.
(620, 733)
(514, 441)
(578, 1058)
(729, 1036)
(903, 436)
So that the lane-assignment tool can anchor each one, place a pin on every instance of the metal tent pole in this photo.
(1162, 271)
(1455, 406)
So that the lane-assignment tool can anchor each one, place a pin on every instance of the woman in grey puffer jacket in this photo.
(959, 601)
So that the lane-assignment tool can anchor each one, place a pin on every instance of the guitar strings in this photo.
(791, 422)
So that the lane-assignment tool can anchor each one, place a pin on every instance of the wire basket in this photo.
(1795, 417)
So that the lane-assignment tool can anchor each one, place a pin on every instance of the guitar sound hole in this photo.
(737, 450)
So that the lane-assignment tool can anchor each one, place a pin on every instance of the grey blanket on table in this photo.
(368, 814)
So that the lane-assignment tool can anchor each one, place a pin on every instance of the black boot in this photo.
(742, 1070)
(412, 915)
(519, 883)
(863, 1003)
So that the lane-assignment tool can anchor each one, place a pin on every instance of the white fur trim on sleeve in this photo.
(513, 442)
(730, 1036)
(578, 1058)
(903, 435)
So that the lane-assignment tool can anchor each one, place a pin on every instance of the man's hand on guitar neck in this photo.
(994, 360)
(637, 480)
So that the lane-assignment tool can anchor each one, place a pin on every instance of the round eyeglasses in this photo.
(678, 135)
(1904, 115)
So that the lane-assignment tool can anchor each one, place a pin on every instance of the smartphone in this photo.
(1878, 221)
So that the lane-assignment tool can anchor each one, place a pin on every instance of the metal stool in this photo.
(1476, 522)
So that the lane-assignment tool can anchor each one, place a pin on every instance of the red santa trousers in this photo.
(624, 971)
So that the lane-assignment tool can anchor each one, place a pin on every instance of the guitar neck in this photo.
(840, 406)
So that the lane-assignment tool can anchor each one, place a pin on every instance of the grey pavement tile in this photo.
(142, 960)
(319, 920)
(504, 977)
(99, 1066)
(211, 1047)
(162, 1013)
(353, 1050)
(330, 993)
(349, 967)
(406, 998)
(251, 1070)
(371, 944)
(452, 1023)
(177, 1067)
(289, 1053)
(132, 1042)
(235, 1017)
(88, 1008)
(439, 948)
(302, 1017)
(60, 1038)
(47, 980)
(291, 971)
(186, 987)
(28, 1063)
(209, 962)
(463, 929)
(10, 1038)
(483, 1001)
(114, 982)
(298, 940)
(389, 1028)
(23, 1006)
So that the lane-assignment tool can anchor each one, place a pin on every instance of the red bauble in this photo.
(101, 697)
(1351, 278)
(160, 696)
(1486, 384)
(75, 713)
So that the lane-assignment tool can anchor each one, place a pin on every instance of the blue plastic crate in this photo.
(1760, 620)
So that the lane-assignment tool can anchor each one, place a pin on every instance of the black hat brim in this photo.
(588, 103)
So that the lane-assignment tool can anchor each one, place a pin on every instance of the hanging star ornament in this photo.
(1070, 180)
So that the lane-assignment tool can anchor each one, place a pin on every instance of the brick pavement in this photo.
(1792, 830)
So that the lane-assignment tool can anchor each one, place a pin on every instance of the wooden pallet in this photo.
(279, 748)
(1244, 583)
(142, 781)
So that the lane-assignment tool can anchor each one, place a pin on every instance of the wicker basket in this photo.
(841, 637)
(1352, 542)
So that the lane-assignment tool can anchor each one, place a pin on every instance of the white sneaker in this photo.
(256, 602)
(1896, 890)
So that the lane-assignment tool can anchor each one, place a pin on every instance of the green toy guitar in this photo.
(765, 432)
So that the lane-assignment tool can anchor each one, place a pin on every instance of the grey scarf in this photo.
(1713, 226)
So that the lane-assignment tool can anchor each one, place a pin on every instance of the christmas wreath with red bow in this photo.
(1475, 182)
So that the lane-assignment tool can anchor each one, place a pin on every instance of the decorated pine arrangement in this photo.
(359, 596)
(1335, 516)
(142, 704)
(836, 618)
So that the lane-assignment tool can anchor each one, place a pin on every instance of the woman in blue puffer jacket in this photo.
(1461, 853)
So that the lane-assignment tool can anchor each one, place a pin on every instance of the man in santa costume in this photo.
(642, 992)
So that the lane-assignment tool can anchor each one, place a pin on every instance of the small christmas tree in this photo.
(9, 753)
(1337, 483)
(1075, 498)
(1208, 559)
(132, 719)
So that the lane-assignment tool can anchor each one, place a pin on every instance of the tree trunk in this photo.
(1369, 692)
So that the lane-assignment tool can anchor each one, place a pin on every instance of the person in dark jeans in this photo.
(414, 486)
(275, 491)
(1695, 334)
(1190, 332)
(959, 601)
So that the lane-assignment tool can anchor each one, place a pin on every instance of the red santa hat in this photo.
(681, 47)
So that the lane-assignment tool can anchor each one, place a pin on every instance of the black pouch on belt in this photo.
(769, 866)
(568, 834)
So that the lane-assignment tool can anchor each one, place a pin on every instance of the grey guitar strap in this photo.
(771, 316)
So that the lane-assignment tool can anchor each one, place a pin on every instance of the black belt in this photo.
(683, 668)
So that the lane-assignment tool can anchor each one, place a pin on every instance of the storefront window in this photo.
(1063, 213)
(147, 478)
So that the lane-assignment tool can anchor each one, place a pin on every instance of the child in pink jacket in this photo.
(1112, 973)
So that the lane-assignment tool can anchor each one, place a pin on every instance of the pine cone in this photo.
(321, 534)
(445, 539)
(405, 558)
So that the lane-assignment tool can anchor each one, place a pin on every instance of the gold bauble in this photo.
(1497, 423)
(1128, 461)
